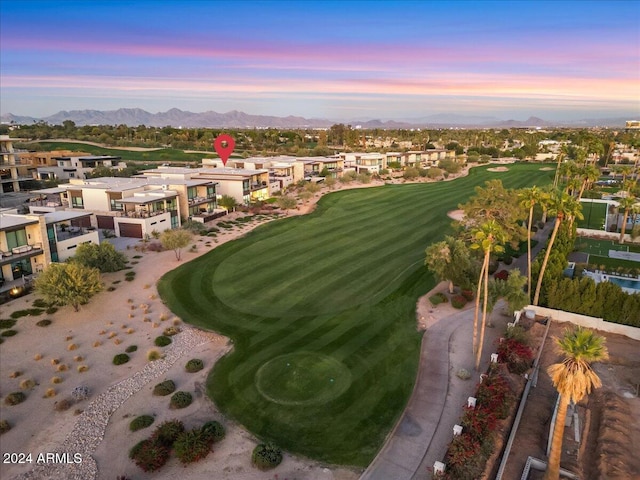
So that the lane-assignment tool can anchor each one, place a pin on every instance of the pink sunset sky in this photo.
(340, 60)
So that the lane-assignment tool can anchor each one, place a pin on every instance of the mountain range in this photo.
(235, 119)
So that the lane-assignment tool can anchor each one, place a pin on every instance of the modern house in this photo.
(67, 168)
(29, 243)
(131, 207)
(14, 173)
(283, 170)
(243, 184)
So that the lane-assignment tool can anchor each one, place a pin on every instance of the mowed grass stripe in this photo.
(376, 237)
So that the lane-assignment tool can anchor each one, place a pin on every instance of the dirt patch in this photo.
(609, 419)
(498, 169)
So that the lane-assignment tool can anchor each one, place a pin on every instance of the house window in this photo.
(191, 193)
(76, 202)
(17, 238)
(116, 206)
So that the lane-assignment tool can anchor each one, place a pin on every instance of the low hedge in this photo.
(162, 341)
(164, 388)
(120, 359)
(180, 400)
(438, 298)
(194, 365)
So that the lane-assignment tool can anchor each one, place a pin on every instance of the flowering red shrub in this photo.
(495, 394)
(468, 294)
(458, 301)
(515, 354)
(501, 275)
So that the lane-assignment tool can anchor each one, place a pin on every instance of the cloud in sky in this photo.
(323, 59)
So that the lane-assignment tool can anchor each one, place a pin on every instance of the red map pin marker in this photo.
(224, 146)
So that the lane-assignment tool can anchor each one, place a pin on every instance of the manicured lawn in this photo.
(594, 215)
(595, 246)
(161, 155)
(321, 311)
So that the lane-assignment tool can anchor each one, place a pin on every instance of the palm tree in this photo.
(624, 171)
(589, 174)
(562, 153)
(627, 204)
(489, 238)
(529, 197)
(563, 206)
(573, 378)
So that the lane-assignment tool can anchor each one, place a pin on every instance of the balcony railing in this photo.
(143, 214)
(18, 252)
(199, 200)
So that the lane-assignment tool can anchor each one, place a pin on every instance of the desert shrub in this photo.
(162, 341)
(51, 310)
(7, 323)
(518, 333)
(167, 432)
(458, 301)
(14, 398)
(81, 392)
(507, 260)
(63, 405)
(4, 426)
(438, 298)
(213, 431)
(44, 323)
(149, 454)
(266, 456)
(153, 355)
(40, 303)
(194, 365)
(29, 311)
(463, 458)
(164, 388)
(9, 333)
(463, 374)
(180, 400)
(27, 384)
(120, 359)
(171, 331)
(131, 348)
(138, 423)
(191, 446)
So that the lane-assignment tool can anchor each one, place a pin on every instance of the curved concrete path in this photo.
(423, 433)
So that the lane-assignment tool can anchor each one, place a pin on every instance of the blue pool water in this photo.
(625, 282)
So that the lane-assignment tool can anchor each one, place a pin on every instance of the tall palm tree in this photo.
(561, 155)
(589, 174)
(529, 197)
(627, 204)
(574, 378)
(625, 170)
(563, 206)
(489, 238)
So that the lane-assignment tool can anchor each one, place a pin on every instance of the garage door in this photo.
(133, 230)
(105, 221)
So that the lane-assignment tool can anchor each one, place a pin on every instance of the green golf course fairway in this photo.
(329, 295)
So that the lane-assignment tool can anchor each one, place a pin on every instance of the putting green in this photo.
(342, 283)
(303, 378)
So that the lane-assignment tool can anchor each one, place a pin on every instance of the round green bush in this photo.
(131, 348)
(191, 446)
(180, 400)
(120, 359)
(162, 341)
(149, 454)
(164, 388)
(167, 432)
(138, 423)
(266, 456)
(9, 333)
(15, 398)
(194, 365)
(7, 323)
(44, 323)
(213, 431)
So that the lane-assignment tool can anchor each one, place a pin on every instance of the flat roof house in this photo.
(78, 167)
(29, 243)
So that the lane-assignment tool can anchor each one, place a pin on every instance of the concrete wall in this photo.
(95, 200)
(159, 223)
(67, 248)
(585, 321)
(586, 232)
